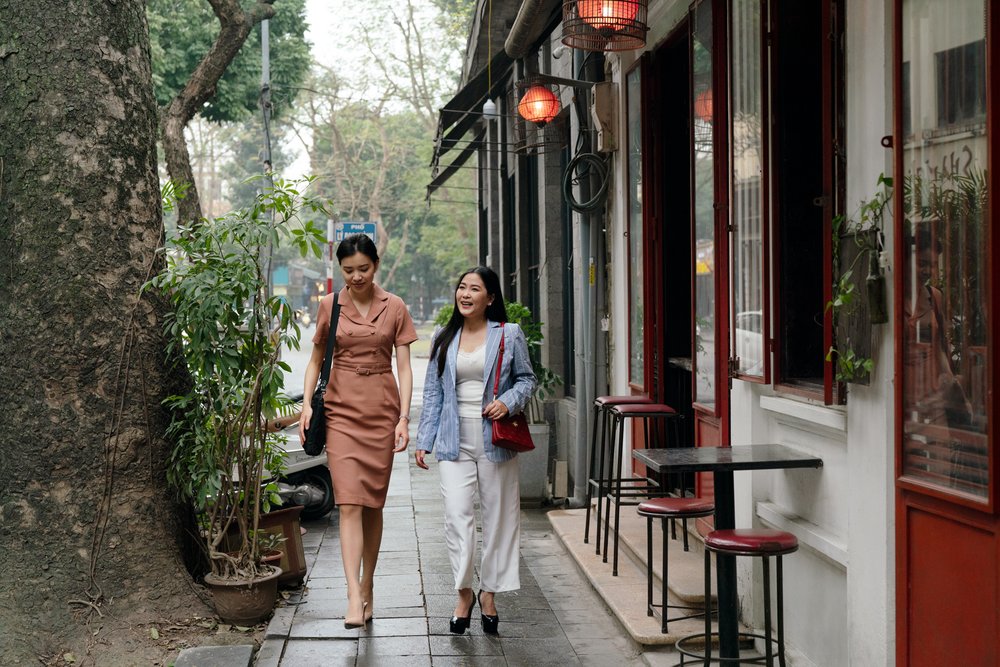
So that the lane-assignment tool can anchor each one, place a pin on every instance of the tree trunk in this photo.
(235, 25)
(89, 530)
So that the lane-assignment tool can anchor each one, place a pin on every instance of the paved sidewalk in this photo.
(555, 619)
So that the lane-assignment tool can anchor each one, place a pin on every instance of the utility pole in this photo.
(265, 106)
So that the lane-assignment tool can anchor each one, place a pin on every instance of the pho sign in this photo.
(342, 230)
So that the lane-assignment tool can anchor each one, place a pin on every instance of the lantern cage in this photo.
(536, 137)
(604, 25)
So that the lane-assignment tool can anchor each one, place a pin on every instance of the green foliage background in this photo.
(182, 31)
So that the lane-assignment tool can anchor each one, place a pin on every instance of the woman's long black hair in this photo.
(496, 311)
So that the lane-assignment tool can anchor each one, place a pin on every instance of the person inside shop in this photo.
(933, 387)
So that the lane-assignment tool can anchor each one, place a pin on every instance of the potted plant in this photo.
(226, 330)
(859, 293)
(534, 478)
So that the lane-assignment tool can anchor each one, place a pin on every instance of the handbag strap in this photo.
(496, 381)
(331, 337)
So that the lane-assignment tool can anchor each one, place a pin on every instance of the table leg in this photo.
(725, 568)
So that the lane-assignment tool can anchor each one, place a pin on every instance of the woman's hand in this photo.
(306, 416)
(496, 410)
(420, 459)
(402, 435)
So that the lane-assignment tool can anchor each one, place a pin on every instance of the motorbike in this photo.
(306, 479)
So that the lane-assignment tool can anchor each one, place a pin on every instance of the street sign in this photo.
(344, 229)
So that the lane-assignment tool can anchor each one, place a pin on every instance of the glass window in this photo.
(636, 301)
(747, 187)
(944, 254)
(703, 170)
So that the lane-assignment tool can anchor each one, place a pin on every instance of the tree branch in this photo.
(235, 26)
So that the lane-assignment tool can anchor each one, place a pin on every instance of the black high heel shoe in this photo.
(490, 623)
(459, 624)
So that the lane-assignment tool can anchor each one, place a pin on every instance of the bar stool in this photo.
(663, 509)
(757, 543)
(597, 477)
(652, 414)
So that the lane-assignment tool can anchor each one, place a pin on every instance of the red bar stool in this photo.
(597, 476)
(757, 543)
(656, 415)
(663, 509)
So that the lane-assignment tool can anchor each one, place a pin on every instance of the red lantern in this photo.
(703, 105)
(607, 15)
(538, 105)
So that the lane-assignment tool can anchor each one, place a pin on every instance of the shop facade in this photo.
(694, 259)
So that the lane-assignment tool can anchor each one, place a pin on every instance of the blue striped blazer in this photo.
(438, 429)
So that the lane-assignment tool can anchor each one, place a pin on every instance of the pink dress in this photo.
(362, 397)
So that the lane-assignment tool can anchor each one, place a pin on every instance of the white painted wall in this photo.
(871, 514)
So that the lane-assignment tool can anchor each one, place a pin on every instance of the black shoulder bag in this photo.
(315, 442)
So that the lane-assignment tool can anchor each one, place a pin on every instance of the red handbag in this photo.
(510, 432)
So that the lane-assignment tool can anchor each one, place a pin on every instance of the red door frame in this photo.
(712, 423)
(923, 510)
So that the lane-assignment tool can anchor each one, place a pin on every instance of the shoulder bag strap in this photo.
(331, 337)
(496, 380)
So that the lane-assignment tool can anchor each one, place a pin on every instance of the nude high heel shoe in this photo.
(356, 623)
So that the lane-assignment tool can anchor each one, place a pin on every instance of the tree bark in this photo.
(235, 26)
(89, 529)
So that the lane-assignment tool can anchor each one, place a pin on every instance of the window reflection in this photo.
(944, 201)
(704, 207)
(747, 186)
(636, 314)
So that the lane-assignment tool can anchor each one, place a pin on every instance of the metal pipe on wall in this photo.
(591, 67)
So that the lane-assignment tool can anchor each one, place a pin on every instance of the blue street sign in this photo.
(342, 230)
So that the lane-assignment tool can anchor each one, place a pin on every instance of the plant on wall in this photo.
(859, 292)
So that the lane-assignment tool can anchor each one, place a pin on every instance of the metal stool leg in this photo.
(708, 602)
(781, 614)
(607, 448)
(617, 428)
(618, 496)
(591, 464)
(663, 589)
(768, 649)
(649, 566)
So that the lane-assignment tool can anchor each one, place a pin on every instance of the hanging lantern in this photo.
(703, 106)
(607, 14)
(537, 127)
(604, 25)
(538, 105)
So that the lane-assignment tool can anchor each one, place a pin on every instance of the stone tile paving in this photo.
(555, 619)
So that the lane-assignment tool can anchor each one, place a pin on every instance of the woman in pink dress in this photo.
(367, 413)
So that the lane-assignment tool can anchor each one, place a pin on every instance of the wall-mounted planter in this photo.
(867, 306)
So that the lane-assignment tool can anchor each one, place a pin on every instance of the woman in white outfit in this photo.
(455, 424)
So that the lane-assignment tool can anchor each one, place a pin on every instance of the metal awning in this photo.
(463, 113)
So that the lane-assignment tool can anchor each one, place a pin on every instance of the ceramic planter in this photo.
(242, 602)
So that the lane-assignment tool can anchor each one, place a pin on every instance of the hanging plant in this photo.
(858, 300)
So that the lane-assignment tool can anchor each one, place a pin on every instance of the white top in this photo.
(469, 382)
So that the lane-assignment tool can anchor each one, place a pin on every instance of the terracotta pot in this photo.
(273, 557)
(242, 602)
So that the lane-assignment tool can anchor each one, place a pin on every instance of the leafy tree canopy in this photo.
(182, 31)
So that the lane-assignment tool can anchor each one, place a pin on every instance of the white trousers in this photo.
(500, 503)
